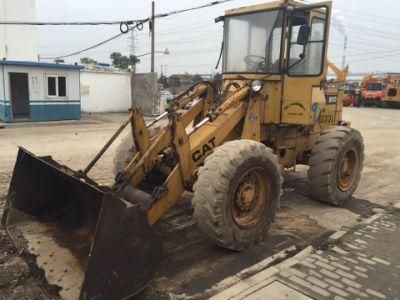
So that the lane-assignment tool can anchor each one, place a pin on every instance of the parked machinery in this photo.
(276, 109)
(373, 89)
(392, 97)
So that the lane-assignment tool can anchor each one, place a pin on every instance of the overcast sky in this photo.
(194, 40)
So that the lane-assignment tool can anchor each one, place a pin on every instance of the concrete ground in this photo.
(300, 222)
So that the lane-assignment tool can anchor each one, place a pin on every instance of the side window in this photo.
(56, 86)
(308, 59)
(51, 86)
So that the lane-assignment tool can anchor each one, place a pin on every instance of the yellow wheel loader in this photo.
(274, 110)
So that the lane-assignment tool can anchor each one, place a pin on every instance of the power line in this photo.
(374, 58)
(91, 23)
(96, 45)
(138, 25)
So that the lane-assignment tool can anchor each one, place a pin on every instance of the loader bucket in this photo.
(89, 242)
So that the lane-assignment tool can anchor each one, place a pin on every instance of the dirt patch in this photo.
(19, 276)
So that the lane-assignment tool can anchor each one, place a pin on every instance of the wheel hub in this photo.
(246, 196)
(347, 169)
(250, 198)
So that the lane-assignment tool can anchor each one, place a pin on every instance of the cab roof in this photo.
(272, 5)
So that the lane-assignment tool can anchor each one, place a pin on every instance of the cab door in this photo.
(305, 66)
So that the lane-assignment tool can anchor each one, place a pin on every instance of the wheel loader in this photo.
(274, 110)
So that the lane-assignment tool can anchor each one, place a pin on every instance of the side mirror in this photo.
(303, 35)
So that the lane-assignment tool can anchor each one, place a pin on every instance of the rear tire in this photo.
(336, 163)
(237, 193)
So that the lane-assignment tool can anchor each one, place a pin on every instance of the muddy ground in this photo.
(191, 265)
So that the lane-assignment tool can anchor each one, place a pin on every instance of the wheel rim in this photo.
(251, 197)
(347, 169)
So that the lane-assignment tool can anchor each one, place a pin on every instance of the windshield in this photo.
(253, 42)
(375, 86)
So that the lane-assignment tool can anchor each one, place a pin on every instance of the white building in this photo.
(18, 42)
(105, 89)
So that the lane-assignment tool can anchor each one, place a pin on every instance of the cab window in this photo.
(306, 60)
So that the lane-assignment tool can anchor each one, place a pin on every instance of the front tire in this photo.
(336, 163)
(237, 193)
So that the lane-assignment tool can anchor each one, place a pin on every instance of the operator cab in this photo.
(254, 42)
(281, 48)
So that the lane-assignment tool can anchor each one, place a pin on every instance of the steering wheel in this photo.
(254, 61)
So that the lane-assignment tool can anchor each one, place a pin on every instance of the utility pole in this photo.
(163, 69)
(152, 36)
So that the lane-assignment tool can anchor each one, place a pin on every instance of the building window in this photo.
(56, 86)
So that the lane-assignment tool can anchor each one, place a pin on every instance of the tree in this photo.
(123, 62)
(174, 82)
(88, 61)
(197, 78)
(164, 81)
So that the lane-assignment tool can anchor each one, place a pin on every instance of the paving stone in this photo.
(360, 274)
(309, 260)
(351, 260)
(340, 266)
(346, 274)
(315, 273)
(361, 241)
(285, 273)
(382, 261)
(329, 274)
(323, 260)
(324, 265)
(369, 236)
(320, 291)
(317, 282)
(357, 292)
(351, 246)
(307, 264)
(351, 283)
(367, 261)
(358, 268)
(334, 283)
(301, 282)
(297, 273)
(338, 291)
(339, 250)
(337, 235)
(375, 293)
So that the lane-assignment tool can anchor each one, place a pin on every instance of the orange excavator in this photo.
(373, 89)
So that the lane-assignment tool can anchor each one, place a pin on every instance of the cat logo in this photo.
(207, 147)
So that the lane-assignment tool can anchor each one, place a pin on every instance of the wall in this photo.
(43, 108)
(18, 42)
(105, 91)
(4, 106)
(145, 93)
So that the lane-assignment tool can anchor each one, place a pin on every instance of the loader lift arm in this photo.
(188, 149)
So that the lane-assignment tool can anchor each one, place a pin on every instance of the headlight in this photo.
(256, 86)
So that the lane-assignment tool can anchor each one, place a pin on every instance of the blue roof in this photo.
(39, 64)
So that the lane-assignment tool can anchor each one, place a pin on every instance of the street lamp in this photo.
(165, 52)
